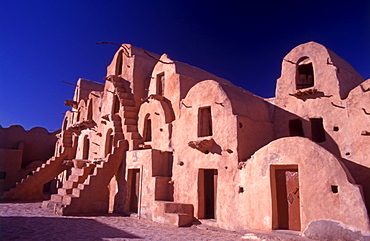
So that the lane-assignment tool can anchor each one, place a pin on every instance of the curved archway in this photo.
(108, 142)
(90, 110)
(86, 147)
(65, 124)
(304, 73)
(119, 62)
(147, 132)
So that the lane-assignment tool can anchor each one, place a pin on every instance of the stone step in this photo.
(68, 199)
(81, 186)
(177, 214)
(48, 204)
(125, 95)
(129, 108)
(76, 192)
(76, 178)
(50, 160)
(69, 184)
(127, 102)
(183, 219)
(129, 121)
(129, 128)
(56, 198)
(133, 136)
(28, 178)
(77, 171)
(64, 191)
(129, 114)
(172, 207)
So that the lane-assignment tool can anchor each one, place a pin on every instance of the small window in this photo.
(334, 188)
(305, 74)
(317, 130)
(160, 84)
(119, 62)
(295, 128)
(2, 175)
(205, 122)
(147, 129)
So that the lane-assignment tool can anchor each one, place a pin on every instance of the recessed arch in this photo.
(119, 62)
(304, 73)
(90, 110)
(147, 132)
(86, 147)
(65, 123)
(108, 142)
(116, 104)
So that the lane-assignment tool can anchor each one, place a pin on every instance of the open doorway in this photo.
(207, 193)
(134, 189)
(285, 197)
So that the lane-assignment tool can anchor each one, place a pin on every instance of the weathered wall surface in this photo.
(196, 145)
(21, 150)
(338, 99)
(318, 171)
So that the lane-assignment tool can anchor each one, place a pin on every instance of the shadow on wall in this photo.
(361, 174)
(296, 126)
(41, 228)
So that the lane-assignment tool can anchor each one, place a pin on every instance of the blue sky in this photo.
(43, 43)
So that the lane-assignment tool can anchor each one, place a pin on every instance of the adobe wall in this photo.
(340, 101)
(10, 167)
(202, 126)
(220, 151)
(21, 152)
(38, 142)
(318, 170)
(135, 66)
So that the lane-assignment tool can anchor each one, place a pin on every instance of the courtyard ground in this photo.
(27, 221)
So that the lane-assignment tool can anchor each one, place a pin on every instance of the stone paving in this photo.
(27, 221)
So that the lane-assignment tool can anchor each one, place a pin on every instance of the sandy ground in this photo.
(27, 221)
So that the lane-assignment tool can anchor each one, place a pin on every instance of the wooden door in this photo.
(287, 191)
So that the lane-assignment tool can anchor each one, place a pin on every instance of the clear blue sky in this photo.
(43, 43)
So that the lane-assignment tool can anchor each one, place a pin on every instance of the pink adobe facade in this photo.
(175, 144)
(22, 152)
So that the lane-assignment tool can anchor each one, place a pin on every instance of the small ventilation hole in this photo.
(241, 189)
(334, 188)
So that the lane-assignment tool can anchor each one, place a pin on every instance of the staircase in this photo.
(177, 214)
(79, 172)
(129, 116)
(85, 191)
(165, 210)
(31, 187)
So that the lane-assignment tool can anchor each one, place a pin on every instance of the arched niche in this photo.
(119, 62)
(108, 142)
(305, 77)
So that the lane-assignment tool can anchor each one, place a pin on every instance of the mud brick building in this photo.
(174, 143)
(22, 152)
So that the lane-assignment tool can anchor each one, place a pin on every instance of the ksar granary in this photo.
(176, 144)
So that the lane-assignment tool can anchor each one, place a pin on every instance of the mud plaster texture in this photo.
(175, 144)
